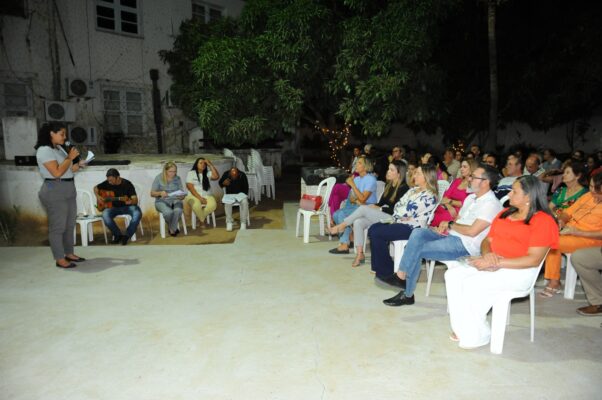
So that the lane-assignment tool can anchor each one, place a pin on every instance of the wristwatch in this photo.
(449, 224)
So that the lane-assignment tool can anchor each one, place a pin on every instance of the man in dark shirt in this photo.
(234, 182)
(117, 196)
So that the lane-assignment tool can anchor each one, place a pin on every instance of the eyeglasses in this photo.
(477, 177)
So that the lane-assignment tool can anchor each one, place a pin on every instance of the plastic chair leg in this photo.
(570, 280)
(322, 232)
(306, 226)
(499, 317)
(298, 220)
(430, 268)
(84, 234)
(532, 312)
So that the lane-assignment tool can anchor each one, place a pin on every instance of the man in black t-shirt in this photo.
(117, 196)
(235, 182)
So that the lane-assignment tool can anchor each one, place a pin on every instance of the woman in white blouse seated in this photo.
(199, 196)
(412, 211)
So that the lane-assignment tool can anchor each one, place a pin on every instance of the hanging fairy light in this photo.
(337, 141)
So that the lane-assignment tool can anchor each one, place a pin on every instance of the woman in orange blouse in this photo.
(581, 227)
(517, 242)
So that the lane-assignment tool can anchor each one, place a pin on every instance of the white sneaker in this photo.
(229, 226)
(243, 226)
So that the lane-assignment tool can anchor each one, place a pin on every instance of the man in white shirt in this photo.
(532, 166)
(452, 239)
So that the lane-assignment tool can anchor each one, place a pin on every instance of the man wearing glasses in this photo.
(450, 240)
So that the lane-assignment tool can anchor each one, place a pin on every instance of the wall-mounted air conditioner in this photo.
(80, 88)
(83, 136)
(60, 111)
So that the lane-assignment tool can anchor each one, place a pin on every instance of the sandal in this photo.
(333, 230)
(358, 261)
(549, 292)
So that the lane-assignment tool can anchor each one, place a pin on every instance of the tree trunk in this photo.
(493, 83)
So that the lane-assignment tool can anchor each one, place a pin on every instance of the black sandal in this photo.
(79, 259)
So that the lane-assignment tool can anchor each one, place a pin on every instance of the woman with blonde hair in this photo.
(170, 206)
(454, 196)
(363, 192)
(412, 211)
(366, 215)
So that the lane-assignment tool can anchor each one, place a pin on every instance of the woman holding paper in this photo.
(197, 182)
(168, 191)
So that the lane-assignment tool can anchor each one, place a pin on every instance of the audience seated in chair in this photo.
(450, 240)
(367, 215)
(581, 227)
(363, 192)
(588, 264)
(510, 255)
(453, 198)
(234, 182)
(412, 211)
(514, 169)
(575, 182)
(199, 195)
(117, 196)
(169, 205)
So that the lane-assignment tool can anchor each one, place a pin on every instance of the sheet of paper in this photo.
(233, 198)
(89, 157)
(177, 193)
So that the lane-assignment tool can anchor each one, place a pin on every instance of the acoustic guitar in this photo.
(108, 197)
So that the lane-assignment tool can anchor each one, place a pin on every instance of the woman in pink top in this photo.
(454, 196)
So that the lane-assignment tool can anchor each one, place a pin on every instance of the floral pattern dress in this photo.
(415, 208)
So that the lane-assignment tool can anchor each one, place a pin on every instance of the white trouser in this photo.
(243, 211)
(471, 294)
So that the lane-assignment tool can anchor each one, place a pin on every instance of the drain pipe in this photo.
(154, 75)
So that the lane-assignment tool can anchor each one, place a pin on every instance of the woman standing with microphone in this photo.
(58, 190)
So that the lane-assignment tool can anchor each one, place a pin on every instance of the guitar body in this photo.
(109, 198)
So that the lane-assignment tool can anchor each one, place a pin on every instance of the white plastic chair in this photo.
(265, 173)
(570, 280)
(210, 217)
(85, 206)
(442, 186)
(162, 225)
(500, 313)
(324, 189)
(254, 188)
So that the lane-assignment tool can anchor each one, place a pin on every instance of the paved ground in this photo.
(264, 318)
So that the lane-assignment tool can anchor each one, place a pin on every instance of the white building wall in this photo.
(104, 58)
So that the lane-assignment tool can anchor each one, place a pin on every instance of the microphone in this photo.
(68, 146)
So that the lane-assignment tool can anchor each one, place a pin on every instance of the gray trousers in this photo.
(244, 211)
(59, 200)
(361, 219)
(171, 216)
(588, 264)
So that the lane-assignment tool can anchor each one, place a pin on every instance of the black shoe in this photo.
(337, 251)
(399, 299)
(393, 280)
(124, 240)
(80, 259)
(71, 265)
(116, 239)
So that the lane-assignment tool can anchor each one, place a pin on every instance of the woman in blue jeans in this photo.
(412, 211)
(363, 191)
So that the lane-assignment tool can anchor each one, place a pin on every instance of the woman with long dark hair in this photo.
(58, 194)
(199, 195)
(519, 238)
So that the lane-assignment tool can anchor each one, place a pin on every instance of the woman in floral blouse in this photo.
(412, 211)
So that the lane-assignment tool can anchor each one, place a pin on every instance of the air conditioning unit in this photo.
(60, 111)
(83, 136)
(80, 88)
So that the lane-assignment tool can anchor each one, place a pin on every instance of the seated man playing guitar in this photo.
(117, 196)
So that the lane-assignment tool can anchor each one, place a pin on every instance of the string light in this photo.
(337, 141)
